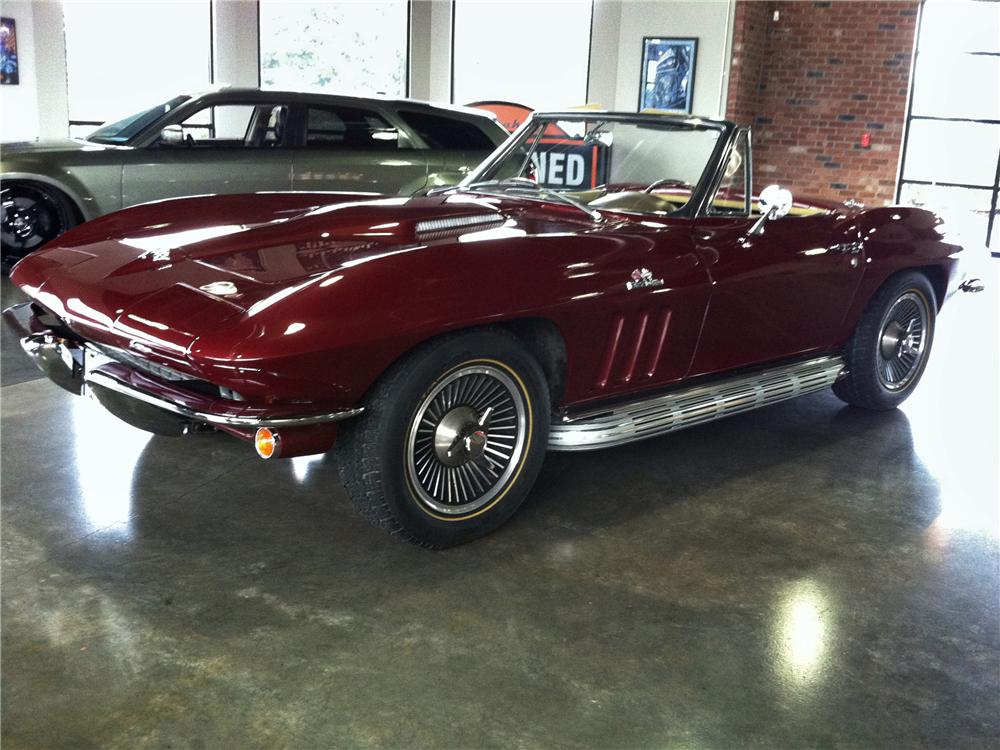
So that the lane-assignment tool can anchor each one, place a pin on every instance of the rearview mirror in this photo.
(777, 199)
(775, 202)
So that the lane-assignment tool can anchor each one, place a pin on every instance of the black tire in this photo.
(483, 396)
(889, 350)
(32, 215)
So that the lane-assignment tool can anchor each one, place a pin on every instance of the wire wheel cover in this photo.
(466, 439)
(903, 341)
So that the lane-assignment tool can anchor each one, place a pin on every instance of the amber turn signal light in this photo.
(267, 443)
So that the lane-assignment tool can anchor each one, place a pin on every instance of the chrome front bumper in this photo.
(81, 368)
(108, 381)
(59, 358)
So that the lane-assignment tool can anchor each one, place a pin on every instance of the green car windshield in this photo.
(640, 166)
(125, 129)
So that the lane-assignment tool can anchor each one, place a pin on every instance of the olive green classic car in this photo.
(236, 141)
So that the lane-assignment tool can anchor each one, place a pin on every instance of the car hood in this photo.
(158, 276)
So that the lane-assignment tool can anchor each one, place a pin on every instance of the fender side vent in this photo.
(437, 228)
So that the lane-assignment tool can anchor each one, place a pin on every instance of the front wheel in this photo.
(889, 349)
(451, 441)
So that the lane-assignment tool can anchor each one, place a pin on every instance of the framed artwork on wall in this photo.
(8, 52)
(668, 73)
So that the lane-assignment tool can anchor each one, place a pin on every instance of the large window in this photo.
(122, 58)
(951, 158)
(334, 47)
(348, 128)
(536, 54)
(446, 132)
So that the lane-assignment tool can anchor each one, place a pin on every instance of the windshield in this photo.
(600, 164)
(125, 129)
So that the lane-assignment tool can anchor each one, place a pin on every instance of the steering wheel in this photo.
(188, 139)
(523, 182)
(666, 181)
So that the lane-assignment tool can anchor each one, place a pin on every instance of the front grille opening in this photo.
(162, 372)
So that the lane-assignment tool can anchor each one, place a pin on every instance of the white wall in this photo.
(604, 33)
(430, 50)
(708, 20)
(50, 59)
(19, 104)
(235, 51)
(533, 52)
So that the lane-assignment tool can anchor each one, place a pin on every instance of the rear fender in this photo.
(896, 239)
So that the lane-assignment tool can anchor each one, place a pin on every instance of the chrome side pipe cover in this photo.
(687, 407)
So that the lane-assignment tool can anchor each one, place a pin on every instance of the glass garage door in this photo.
(951, 154)
(344, 47)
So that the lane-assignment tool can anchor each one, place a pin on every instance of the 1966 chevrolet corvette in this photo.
(600, 278)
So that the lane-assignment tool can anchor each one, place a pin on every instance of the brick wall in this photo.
(812, 82)
(750, 28)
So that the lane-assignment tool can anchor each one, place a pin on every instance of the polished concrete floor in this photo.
(806, 576)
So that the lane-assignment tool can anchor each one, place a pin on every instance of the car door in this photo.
(637, 329)
(349, 148)
(777, 294)
(231, 147)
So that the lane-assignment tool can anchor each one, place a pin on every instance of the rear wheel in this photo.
(31, 216)
(888, 352)
(451, 440)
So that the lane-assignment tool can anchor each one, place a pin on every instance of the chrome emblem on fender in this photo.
(159, 255)
(642, 278)
(219, 288)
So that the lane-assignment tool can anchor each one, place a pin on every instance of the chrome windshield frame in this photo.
(699, 193)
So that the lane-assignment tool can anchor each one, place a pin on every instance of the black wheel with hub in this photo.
(889, 350)
(31, 216)
(451, 440)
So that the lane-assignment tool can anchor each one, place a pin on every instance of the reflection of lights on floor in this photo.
(802, 633)
(106, 450)
(302, 465)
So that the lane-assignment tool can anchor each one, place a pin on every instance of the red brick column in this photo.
(813, 80)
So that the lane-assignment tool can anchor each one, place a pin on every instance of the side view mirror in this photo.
(775, 202)
(172, 135)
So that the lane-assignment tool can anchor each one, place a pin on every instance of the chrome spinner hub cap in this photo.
(903, 341)
(460, 437)
(466, 439)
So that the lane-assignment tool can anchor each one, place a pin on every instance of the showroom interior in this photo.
(807, 574)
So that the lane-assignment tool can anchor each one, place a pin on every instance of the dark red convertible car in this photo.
(601, 278)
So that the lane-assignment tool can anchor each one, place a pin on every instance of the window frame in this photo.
(299, 123)
(747, 178)
(403, 111)
(198, 105)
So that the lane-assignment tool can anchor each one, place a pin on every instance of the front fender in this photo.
(87, 203)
